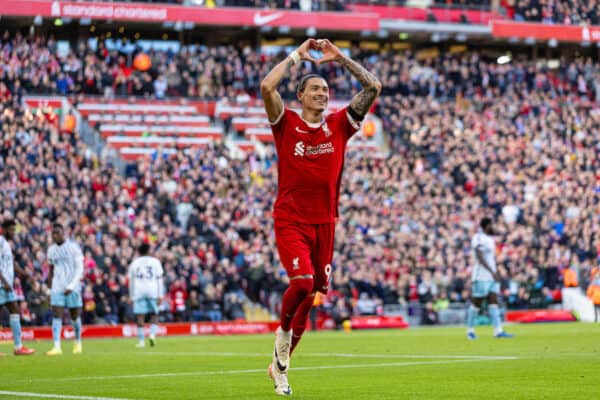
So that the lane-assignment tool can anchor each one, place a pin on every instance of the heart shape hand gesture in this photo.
(329, 50)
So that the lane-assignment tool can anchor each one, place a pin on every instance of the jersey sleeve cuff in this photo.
(278, 118)
(355, 124)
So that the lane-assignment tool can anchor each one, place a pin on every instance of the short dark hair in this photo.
(144, 248)
(304, 80)
(485, 222)
(7, 223)
(57, 225)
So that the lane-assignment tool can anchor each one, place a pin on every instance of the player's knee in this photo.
(303, 287)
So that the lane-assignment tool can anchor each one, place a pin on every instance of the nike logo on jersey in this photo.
(300, 130)
(260, 19)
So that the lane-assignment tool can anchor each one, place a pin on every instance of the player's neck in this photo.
(312, 116)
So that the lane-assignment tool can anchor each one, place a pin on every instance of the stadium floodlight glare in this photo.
(284, 30)
(311, 31)
(38, 20)
(461, 37)
(530, 41)
(586, 43)
(365, 33)
(403, 36)
(505, 59)
(435, 38)
(85, 21)
(58, 22)
(552, 42)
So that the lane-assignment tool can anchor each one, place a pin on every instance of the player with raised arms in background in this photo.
(311, 148)
(146, 290)
(66, 262)
(7, 293)
(485, 280)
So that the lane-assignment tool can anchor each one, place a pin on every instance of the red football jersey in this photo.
(311, 159)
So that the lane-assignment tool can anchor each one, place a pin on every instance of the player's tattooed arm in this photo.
(363, 100)
(371, 85)
(268, 86)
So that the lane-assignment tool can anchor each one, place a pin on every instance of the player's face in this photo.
(58, 235)
(489, 229)
(315, 95)
(9, 233)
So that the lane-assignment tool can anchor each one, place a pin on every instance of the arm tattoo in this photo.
(365, 98)
(362, 102)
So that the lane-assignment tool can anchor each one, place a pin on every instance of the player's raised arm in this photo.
(371, 86)
(268, 86)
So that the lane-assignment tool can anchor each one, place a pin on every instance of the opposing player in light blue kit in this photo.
(66, 261)
(146, 289)
(485, 279)
(7, 293)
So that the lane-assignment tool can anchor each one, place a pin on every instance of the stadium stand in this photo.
(467, 136)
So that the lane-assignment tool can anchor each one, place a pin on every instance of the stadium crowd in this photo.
(573, 12)
(468, 138)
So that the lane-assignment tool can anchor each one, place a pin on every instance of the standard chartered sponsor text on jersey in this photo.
(323, 148)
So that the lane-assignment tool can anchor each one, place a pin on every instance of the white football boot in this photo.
(280, 380)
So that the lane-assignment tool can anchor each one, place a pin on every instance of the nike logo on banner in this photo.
(260, 19)
(300, 130)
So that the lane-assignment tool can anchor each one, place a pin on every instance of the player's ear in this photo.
(299, 95)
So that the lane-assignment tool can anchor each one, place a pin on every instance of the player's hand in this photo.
(68, 292)
(303, 50)
(6, 287)
(496, 276)
(329, 50)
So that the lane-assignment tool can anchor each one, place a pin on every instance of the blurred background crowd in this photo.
(468, 137)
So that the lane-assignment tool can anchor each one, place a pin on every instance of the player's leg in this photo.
(3, 299)
(15, 326)
(140, 310)
(294, 242)
(321, 257)
(293, 309)
(495, 312)
(153, 321)
(76, 324)
(140, 329)
(57, 313)
(300, 319)
(473, 310)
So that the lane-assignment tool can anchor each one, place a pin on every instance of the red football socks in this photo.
(295, 294)
(299, 321)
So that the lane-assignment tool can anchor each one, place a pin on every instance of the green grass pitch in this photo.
(544, 361)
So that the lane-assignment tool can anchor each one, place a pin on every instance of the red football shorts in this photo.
(306, 250)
